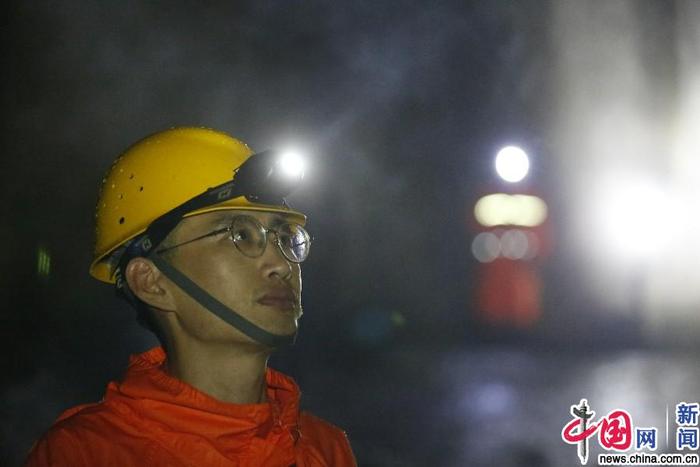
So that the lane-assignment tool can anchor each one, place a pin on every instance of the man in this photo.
(194, 231)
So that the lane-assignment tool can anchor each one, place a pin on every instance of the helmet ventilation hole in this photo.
(121, 220)
(131, 176)
(140, 188)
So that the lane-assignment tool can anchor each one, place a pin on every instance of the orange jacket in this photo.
(151, 419)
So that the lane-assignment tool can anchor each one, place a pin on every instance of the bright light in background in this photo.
(608, 123)
(637, 218)
(504, 209)
(512, 164)
(292, 163)
(486, 247)
(513, 244)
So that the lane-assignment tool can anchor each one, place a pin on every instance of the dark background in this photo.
(400, 107)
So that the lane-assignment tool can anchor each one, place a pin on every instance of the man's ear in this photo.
(149, 284)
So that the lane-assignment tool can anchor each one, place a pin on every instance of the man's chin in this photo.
(298, 313)
(284, 327)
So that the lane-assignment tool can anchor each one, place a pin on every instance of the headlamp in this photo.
(264, 178)
(292, 164)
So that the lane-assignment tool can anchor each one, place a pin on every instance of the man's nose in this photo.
(275, 263)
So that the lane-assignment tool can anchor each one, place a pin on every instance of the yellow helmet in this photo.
(159, 173)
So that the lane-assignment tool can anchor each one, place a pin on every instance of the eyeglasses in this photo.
(250, 238)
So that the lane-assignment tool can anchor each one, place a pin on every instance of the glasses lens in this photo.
(248, 235)
(294, 241)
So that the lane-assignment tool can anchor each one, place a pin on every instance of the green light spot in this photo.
(43, 267)
(398, 319)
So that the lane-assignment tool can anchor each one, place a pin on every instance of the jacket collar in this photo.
(158, 397)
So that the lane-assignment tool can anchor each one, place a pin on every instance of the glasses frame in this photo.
(263, 229)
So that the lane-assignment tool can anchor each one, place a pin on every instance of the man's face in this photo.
(265, 290)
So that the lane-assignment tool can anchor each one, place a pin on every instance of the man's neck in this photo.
(223, 372)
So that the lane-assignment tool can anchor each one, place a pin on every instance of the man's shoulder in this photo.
(327, 438)
(85, 418)
(62, 444)
(77, 434)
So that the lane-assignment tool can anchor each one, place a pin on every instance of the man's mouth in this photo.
(281, 300)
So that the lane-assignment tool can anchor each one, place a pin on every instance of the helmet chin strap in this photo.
(219, 309)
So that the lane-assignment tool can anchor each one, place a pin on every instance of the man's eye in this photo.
(240, 236)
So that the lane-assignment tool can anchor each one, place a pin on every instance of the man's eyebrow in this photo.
(277, 220)
(222, 218)
(225, 217)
